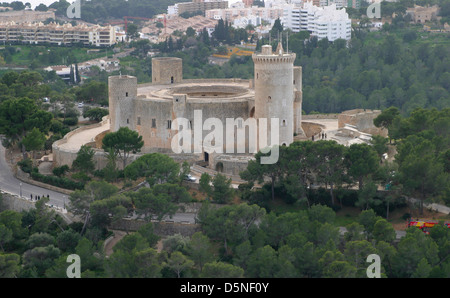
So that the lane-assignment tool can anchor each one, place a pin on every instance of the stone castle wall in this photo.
(362, 119)
(67, 156)
(13, 202)
(167, 70)
(18, 204)
(152, 114)
(161, 229)
(311, 128)
(122, 93)
(320, 116)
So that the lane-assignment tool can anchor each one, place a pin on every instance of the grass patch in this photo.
(279, 206)
(26, 54)
(346, 215)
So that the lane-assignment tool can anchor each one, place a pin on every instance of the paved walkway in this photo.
(330, 129)
(75, 141)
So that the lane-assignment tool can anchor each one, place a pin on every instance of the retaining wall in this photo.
(362, 119)
(311, 128)
(13, 202)
(160, 228)
(320, 116)
(67, 156)
(16, 203)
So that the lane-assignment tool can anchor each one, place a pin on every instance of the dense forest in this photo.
(376, 71)
(423, 151)
(235, 241)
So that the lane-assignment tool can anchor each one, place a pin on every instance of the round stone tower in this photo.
(122, 92)
(274, 91)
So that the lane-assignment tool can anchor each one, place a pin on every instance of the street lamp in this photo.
(20, 184)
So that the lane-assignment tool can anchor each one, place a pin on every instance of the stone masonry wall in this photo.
(167, 70)
(160, 228)
(12, 202)
(362, 119)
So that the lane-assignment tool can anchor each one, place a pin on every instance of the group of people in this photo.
(324, 136)
(37, 198)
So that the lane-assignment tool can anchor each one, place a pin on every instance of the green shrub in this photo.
(81, 176)
(60, 171)
(26, 165)
(99, 173)
(62, 182)
(49, 142)
(71, 121)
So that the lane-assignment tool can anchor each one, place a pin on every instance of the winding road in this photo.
(10, 184)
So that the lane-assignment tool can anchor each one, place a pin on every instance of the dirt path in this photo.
(116, 238)
(118, 235)
(159, 246)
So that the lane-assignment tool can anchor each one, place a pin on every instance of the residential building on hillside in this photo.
(243, 22)
(63, 71)
(421, 14)
(281, 3)
(327, 21)
(266, 14)
(196, 5)
(354, 4)
(37, 33)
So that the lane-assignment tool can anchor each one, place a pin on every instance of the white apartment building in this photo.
(37, 33)
(172, 9)
(281, 3)
(339, 3)
(196, 5)
(245, 21)
(292, 18)
(327, 21)
(266, 14)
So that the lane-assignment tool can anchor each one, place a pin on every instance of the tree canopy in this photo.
(123, 142)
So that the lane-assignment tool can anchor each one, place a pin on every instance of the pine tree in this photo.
(77, 74)
(72, 75)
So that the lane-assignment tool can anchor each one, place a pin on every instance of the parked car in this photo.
(80, 104)
(190, 178)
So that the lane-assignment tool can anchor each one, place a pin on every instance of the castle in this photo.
(153, 109)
